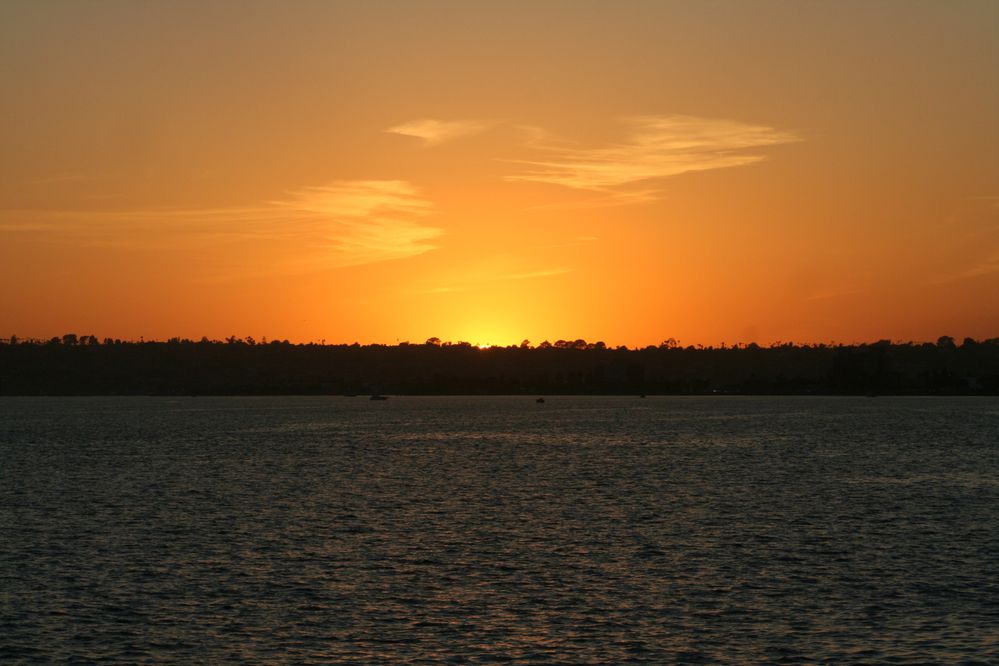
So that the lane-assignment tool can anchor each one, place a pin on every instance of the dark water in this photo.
(422, 530)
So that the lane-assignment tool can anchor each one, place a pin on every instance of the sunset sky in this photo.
(495, 171)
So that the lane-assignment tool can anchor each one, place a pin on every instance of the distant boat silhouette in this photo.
(378, 397)
(540, 400)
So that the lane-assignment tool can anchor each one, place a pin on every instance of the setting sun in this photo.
(491, 331)
(625, 174)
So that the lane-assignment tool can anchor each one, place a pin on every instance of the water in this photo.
(469, 530)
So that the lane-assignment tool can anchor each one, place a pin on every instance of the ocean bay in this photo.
(470, 529)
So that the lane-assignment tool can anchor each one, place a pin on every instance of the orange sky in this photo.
(490, 172)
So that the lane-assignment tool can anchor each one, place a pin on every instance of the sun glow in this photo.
(310, 180)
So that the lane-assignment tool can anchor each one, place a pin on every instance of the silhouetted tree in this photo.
(233, 366)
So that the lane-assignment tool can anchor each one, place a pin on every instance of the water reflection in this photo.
(593, 530)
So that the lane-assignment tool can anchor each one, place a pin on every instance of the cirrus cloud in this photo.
(656, 147)
(365, 221)
(434, 132)
(344, 223)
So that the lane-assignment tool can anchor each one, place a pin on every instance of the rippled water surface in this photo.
(581, 530)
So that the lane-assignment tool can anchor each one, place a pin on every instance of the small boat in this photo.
(540, 400)
(378, 397)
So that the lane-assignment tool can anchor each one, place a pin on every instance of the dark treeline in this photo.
(83, 365)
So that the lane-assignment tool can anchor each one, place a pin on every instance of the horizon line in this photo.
(72, 339)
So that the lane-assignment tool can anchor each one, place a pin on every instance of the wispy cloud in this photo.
(656, 147)
(530, 275)
(434, 132)
(987, 266)
(967, 245)
(604, 200)
(366, 221)
(344, 223)
(979, 267)
(469, 283)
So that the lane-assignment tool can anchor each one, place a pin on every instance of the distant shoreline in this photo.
(69, 367)
(364, 398)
